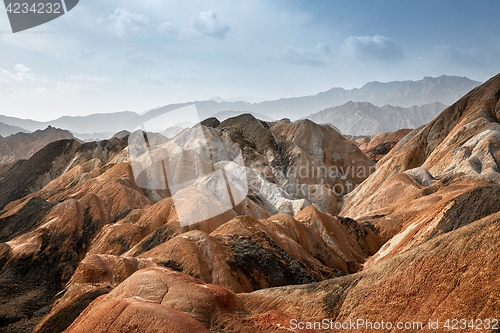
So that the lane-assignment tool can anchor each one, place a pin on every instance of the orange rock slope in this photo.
(75, 225)
(84, 248)
(435, 201)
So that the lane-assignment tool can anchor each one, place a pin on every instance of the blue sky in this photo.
(107, 56)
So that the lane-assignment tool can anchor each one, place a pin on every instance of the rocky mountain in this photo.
(223, 115)
(457, 147)
(378, 146)
(94, 123)
(443, 89)
(434, 199)
(363, 118)
(6, 130)
(74, 223)
(27, 125)
(24, 145)
(97, 236)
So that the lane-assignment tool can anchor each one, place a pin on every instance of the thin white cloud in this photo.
(21, 73)
(208, 24)
(372, 47)
(23, 85)
(74, 89)
(125, 22)
(319, 56)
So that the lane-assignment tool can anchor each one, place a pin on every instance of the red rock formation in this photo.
(83, 248)
(75, 212)
(381, 144)
(23, 145)
(416, 188)
(451, 276)
(158, 295)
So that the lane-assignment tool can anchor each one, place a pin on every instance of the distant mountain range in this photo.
(443, 89)
(223, 115)
(94, 123)
(363, 118)
(6, 130)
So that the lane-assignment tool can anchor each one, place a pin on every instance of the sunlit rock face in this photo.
(84, 247)
(448, 172)
(283, 168)
(434, 200)
(378, 146)
(77, 219)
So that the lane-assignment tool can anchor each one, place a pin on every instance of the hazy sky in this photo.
(107, 56)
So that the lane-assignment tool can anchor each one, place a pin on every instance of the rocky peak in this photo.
(24, 145)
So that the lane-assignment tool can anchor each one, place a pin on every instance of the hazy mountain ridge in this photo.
(223, 115)
(27, 125)
(363, 118)
(94, 123)
(6, 130)
(443, 89)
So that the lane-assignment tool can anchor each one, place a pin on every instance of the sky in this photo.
(109, 56)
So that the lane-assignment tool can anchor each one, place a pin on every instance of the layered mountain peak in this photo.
(23, 145)
(364, 118)
(462, 139)
(78, 210)
(431, 169)
(6, 130)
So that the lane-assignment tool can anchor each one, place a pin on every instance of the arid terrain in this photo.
(400, 227)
